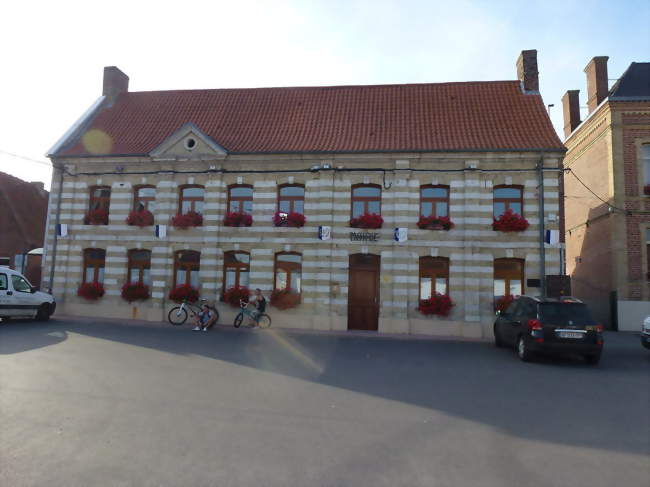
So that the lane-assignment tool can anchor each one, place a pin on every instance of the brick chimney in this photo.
(527, 71)
(597, 86)
(571, 109)
(115, 81)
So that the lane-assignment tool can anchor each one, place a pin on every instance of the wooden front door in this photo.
(363, 292)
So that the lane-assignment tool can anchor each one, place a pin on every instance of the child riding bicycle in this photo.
(258, 301)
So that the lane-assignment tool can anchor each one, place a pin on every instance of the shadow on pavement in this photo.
(552, 401)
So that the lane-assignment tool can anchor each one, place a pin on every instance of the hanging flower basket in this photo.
(184, 292)
(367, 220)
(143, 218)
(237, 219)
(285, 298)
(233, 295)
(134, 291)
(439, 304)
(435, 223)
(501, 304)
(293, 219)
(96, 217)
(646, 189)
(186, 220)
(510, 222)
(90, 290)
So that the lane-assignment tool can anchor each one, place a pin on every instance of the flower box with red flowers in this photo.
(435, 223)
(501, 304)
(186, 220)
(142, 218)
(237, 219)
(510, 222)
(293, 219)
(235, 294)
(184, 292)
(367, 220)
(646, 189)
(285, 298)
(90, 290)
(134, 291)
(96, 217)
(438, 304)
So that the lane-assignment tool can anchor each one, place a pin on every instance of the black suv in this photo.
(549, 325)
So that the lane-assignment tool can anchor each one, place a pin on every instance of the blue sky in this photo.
(53, 70)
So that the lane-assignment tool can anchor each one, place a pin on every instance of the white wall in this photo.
(631, 314)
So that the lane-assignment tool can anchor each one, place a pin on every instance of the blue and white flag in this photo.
(401, 234)
(161, 231)
(324, 232)
(552, 237)
(62, 230)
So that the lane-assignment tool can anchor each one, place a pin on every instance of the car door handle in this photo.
(513, 323)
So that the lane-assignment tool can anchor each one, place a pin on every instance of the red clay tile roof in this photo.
(493, 115)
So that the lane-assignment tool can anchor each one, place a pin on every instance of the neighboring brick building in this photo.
(23, 211)
(608, 242)
(463, 150)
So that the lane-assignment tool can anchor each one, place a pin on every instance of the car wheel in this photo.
(43, 313)
(498, 341)
(592, 359)
(523, 352)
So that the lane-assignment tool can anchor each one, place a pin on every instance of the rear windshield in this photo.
(565, 314)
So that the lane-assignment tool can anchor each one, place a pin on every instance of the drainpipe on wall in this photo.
(542, 236)
(56, 228)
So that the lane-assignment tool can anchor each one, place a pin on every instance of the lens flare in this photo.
(97, 141)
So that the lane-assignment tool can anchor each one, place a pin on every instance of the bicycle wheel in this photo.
(264, 321)
(238, 319)
(177, 315)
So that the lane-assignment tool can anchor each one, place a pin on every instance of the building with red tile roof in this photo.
(351, 207)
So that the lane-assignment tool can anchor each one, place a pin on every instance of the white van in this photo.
(19, 299)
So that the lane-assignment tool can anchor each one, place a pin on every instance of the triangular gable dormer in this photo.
(188, 142)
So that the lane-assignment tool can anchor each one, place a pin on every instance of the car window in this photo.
(528, 309)
(512, 309)
(3, 282)
(565, 314)
(20, 284)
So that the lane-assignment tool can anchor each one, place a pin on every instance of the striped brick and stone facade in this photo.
(217, 161)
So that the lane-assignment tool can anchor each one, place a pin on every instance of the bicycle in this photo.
(261, 319)
(178, 314)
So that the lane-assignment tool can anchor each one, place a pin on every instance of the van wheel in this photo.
(498, 341)
(43, 313)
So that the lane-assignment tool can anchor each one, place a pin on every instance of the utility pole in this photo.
(542, 233)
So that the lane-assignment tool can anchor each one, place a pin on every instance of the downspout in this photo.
(542, 250)
(56, 227)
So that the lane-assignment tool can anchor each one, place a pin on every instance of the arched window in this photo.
(100, 198)
(94, 263)
(434, 276)
(508, 198)
(144, 198)
(366, 198)
(186, 268)
(236, 267)
(191, 199)
(288, 271)
(139, 268)
(240, 198)
(291, 198)
(508, 277)
(434, 200)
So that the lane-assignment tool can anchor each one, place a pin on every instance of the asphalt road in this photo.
(86, 403)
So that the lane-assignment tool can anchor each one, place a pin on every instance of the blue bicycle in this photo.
(261, 319)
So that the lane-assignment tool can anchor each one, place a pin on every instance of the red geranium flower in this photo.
(186, 220)
(435, 223)
(132, 291)
(510, 222)
(233, 295)
(184, 292)
(438, 304)
(367, 220)
(90, 290)
(142, 218)
(237, 219)
(292, 219)
(285, 298)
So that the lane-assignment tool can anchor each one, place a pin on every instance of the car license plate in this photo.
(569, 334)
